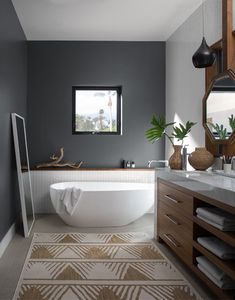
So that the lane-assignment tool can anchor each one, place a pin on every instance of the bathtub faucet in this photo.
(157, 161)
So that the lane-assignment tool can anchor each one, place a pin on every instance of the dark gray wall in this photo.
(13, 93)
(54, 67)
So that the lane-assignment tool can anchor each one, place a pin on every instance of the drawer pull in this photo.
(172, 199)
(171, 240)
(172, 219)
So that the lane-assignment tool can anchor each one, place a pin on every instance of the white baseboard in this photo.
(7, 238)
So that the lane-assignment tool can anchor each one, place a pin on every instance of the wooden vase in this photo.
(175, 161)
(201, 159)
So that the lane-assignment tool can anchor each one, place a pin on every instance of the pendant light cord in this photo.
(203, 18)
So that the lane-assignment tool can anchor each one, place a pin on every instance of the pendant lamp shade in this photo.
(204, 56)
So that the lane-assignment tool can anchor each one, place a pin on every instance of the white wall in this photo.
(185, 85)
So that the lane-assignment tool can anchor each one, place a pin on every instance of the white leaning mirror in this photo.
(23, 171)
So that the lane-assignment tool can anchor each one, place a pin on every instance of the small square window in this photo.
(97, 110)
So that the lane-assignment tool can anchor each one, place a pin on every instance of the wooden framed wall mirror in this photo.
(219, 109)
(220, 78)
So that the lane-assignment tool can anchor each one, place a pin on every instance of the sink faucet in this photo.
(157, 161)
(185, 158)
(233, 163)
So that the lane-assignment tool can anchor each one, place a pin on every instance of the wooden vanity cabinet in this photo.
(178, 227)
(174, 221)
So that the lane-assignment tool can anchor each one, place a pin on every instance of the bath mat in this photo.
(125, 266)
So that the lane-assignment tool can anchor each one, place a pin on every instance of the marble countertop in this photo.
(209, 184)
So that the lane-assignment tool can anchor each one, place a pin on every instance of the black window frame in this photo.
(98, 88)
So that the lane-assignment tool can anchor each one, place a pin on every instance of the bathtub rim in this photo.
(133, 185)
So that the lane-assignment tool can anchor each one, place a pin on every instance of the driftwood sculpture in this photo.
(56, 162)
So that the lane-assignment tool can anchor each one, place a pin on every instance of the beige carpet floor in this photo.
(121, 266)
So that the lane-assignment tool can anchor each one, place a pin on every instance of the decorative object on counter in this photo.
(56, 162)
(175, 161)
(218, 158)
(204, 56)
(227, 160)
(127, 164)
(201, 159)
(227, 168)
(218, 164)
(179, 132)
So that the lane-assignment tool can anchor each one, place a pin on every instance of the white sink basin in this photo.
(229, 174)
(193, 173)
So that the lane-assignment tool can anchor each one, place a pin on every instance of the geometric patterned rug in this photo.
(122, 266)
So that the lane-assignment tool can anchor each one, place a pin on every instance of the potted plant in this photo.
(179, 132)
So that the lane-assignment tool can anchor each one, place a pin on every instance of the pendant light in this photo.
(204, 56)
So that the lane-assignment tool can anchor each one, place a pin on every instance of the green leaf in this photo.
(232, 122)
(159, 128)
(181, 132)
(220, 130)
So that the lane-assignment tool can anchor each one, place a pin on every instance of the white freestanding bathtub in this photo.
(105, 203)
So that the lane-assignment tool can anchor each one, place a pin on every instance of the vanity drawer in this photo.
(176, 230)
(175, 220)
(175, 198)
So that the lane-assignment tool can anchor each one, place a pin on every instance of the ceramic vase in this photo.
(201, 159)
(175, 161)
(227, 168)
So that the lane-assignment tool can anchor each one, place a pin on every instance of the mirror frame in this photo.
(231, 139)
(27, 230)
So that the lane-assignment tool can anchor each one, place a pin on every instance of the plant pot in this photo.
(201, 159)
(175, 161)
